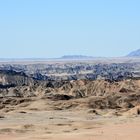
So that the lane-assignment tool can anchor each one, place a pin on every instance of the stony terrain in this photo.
(46, 101)
(111, 70)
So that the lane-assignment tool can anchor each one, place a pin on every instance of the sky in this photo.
(53, 28)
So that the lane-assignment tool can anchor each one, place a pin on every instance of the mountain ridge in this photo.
(76, 57)
(135, 53)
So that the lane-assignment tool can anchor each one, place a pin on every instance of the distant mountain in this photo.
(76, 57)
(134, 53)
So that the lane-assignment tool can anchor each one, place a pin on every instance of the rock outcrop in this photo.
(113, 87)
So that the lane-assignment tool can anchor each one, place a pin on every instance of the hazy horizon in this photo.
(51, 29)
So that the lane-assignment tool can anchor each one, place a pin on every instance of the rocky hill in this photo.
(71, 86)
(134, 53)
(121, 96)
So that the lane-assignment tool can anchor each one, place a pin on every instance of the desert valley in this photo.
(70, 99)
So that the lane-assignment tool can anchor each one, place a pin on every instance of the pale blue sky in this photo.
(52, 28)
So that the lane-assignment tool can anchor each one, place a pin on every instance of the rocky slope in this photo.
(17, 88)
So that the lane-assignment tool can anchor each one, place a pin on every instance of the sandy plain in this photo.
(38, 122)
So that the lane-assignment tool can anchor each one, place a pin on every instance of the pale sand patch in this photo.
(125, 131)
